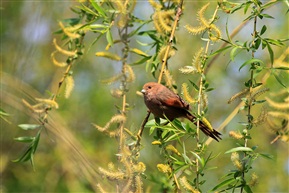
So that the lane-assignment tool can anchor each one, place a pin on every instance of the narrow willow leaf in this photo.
(224, 183)
(98, 8)
(29, 126)
(24, 139)
(108, 55)
(238, 149)
(220, 51)
(281, 68)
(201, 160)
(248, 189)
(251, 61)
(138, 52)
(233, 53)
(263, 30)
(279, 80)
(25, 157)
(271, 53)
(109, 37)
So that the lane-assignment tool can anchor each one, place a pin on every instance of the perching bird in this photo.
(164, 103)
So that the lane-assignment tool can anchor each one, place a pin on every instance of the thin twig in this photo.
(164, 61)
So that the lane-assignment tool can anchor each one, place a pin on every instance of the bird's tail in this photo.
(205, 127)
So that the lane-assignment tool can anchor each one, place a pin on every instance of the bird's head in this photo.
(148, 87)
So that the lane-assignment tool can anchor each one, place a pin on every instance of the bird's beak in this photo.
(143, 91)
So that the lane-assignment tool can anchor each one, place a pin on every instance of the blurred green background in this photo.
(27, 71)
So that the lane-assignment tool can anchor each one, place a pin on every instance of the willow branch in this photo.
(164, 61)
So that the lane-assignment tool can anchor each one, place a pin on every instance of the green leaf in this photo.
(71, 21)
(36, 141)
(238, 149)
(263, 30)
(279, 80)
(224, 183)
(267, 156)
(281, 68)
(219, 51)
(141, 61)
(233, 53)
(98, 8)
(271, 53)
(24, 139)
(251, 61)
(248, 189)
(109, 37)
(138, 52)
(25, 157)
(266, 16)
(29, 126)
(201, 160)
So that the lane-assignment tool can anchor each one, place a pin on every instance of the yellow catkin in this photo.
(257, 93)
(122, 21)
(169, 79)
(108, 55)
(67, 30)
(156, 143)
(238, 95)
(164, 168)
(57, 63)
(188, 70)
(100, 188)
(51, 103)
(201, 16)
(114, 119)
(195, 30)
(236, 161)
(120, 6)
(140, 167)
(262, 117)
(138, 184)
(184, 182)
(186, 94)
(116, 175)
(197, 61)
(217, 33)
(62, 51)
(235, 135)
(156, 23)
(112, 79)
(132, 5)
(204, 98)
(69, 86)
(173, 149)
(276, 105)
(130, 73)
(111, 166)
(117, 93)
(164, 21)
(254, 180)
(280, 115)
(155, 5)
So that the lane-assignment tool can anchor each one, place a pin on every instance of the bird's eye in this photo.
(149, 87)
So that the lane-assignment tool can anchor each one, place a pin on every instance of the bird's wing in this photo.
(177, 102)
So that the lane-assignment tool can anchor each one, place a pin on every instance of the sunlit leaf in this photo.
(29, 126)
(24, 139)
(238, 149)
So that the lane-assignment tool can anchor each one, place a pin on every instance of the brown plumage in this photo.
(163, 102)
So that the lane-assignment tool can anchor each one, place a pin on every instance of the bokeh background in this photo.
(27, 72)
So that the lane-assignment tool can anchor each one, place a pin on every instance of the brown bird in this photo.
(164, 103)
